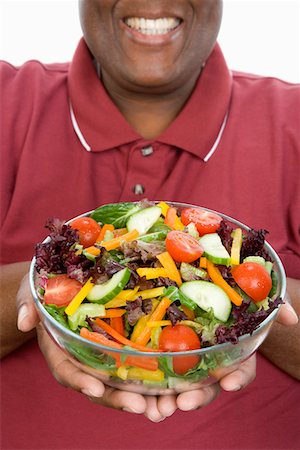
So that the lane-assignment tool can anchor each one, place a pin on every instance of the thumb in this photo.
(27, 314)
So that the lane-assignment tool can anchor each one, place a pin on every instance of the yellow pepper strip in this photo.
(168, 263)
(122, 372)
(139, 326)
(203, 262)
(236, 246)
(150, 293)
(151, 273)
(217, 278)
(159, 323)
(117, 241)
(157, 314)
(137, 373)
(122, 297)
(164, 209)
(79, 297)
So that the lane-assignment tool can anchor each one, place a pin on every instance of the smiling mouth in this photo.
(153, 27)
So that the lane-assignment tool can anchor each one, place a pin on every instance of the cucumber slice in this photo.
(143, 220)
(214, 250)
(86, 309)
(102, 293)
(157, 236)
(208, 296)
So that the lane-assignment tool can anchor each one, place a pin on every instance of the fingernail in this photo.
(292, 313)
(22, 313)
(92, 392)
(130, 410)
(233, 387)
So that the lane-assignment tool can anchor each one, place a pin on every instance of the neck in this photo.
(149, 112)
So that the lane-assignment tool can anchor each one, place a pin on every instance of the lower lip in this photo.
(151, 39)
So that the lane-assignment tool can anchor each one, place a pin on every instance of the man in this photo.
(147, 108)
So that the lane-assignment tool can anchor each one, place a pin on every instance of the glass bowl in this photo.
(109, 364)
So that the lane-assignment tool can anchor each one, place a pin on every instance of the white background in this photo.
(257, 36)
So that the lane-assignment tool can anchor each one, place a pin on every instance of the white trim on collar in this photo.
(217, 141)
(78, 131)
(88, 148)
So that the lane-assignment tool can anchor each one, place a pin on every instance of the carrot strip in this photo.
(121, 338)
(172, 220)
(106, 227)
(217, 278)
(117, 241)
(168, 263)
(114, 312)
(158, 314)
(117, 324)
(145, 362)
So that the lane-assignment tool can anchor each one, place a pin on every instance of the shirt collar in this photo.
(100, 125)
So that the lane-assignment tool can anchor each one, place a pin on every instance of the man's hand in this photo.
(155, 408)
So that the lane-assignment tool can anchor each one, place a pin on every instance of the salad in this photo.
(151, 277)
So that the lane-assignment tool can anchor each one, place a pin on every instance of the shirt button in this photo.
(146, 151)
(138, 189)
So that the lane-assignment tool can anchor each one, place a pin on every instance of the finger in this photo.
(71, 376)
(152, 412)
(65, 372)
(196, 399)
(27, 314)
(241, 377)
(167, 405)
(287, 315)
(117, 399)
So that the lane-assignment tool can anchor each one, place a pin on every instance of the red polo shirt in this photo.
(67, 149)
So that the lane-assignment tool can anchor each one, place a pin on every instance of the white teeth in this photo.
(153, 26)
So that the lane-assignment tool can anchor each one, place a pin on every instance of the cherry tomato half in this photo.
(254, 279)
(205, 221)
(183, 247)
(180, 338)
(60, 290)
(88, 230)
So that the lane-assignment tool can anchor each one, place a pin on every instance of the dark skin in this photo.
(149, 78)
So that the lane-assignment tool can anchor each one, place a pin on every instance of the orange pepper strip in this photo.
(158, 314)
(106, 227)
(120, 232)
(190, 314)
(168, 263)
(203, 262)
(121, 338)
(170, 218)
(145, 362)
(114, 312)
(116, 242)
(117, 324)
(217, 278)
(93, 250)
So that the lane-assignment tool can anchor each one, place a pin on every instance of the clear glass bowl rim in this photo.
(215, 348)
